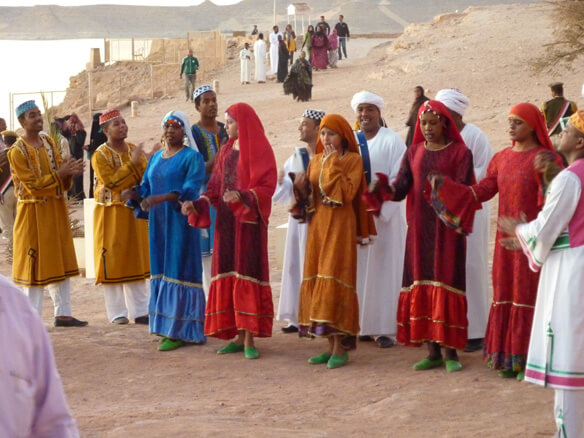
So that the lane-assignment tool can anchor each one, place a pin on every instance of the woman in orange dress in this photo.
(334, 182)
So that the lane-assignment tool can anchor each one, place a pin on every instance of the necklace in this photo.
(165, 153)
(438, 148)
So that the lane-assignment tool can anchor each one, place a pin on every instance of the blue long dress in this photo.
(177, 300)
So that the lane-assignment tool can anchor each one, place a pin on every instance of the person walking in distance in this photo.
(189, 68)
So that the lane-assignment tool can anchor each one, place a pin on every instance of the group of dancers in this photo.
(357, 263)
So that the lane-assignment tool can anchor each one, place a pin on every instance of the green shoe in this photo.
(427, 364)
(453, 366)
(231, 348)
(508, 374)
(170, 344)
(337, 361)
(251, 353)
(521, 375)
(321, 358)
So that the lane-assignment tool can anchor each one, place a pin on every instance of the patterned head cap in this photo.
(201, 90)
(24, 107)
(313, 114)
(577, 120)
(109, 115)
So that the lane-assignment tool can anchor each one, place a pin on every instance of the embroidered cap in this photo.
(24, 107)
(201, 90)
(109, 115)
(313, 114)
(577, 120)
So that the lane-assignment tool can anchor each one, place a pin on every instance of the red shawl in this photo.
(531, 115)
(450, 130)
(365, 223)
(256, 169)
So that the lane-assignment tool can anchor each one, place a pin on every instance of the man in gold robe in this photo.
(43, 242)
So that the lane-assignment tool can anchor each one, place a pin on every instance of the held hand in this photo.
(137, 153)
(542, 159)
(145, 204)
(510, 243)
(435, 180)
(507, 224)
(231, 196)
(129, 194)
(300, 181)
(187, 208)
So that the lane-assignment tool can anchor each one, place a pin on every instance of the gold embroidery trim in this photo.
(241, 277)
(432, 283)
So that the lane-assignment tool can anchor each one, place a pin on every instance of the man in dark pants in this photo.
(344, 34)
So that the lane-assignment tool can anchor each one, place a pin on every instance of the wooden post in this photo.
(90, 93)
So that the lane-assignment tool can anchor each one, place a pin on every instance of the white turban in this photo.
(367, 97)
(453, 99)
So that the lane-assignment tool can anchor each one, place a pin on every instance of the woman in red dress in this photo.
(512, 174)
(240, 188)
(432, 302)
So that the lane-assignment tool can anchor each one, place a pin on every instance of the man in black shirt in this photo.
(344, 34)
(325, 26)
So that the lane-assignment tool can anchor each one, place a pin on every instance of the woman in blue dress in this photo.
(174, 174)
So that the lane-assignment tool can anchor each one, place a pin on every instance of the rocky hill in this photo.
(113, 21)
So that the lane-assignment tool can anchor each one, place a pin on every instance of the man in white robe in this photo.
(477, 243)
(274, 50)
(245, 64)
(380, 265)
(259, 53)
(296, 236)
(554, 243)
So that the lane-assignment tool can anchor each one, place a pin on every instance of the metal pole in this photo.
(274, 13)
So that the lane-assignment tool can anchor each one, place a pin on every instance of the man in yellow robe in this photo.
(122, 261)
(43, 242)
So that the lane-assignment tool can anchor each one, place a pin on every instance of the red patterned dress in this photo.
(432, 302)
(512, 175)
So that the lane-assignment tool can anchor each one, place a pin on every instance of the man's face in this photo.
(322, 19)
(208, 105)
(570, 139)
(276, 29)
(116, 130)
(341, 18)
(190, 53)
(2, 125)
(368, 117)
(32, 120)
(308, 130)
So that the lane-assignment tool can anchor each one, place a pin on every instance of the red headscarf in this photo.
(365, 224)
(450, 130)
(531, 115)
(256, 169)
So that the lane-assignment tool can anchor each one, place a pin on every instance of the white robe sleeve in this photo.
(394, 159)
(538, 236)
(284, 193)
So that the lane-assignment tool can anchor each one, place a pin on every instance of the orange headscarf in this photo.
(531, 115)
(365, 223)
(256, 168)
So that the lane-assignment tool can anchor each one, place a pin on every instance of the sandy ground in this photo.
(118, 384)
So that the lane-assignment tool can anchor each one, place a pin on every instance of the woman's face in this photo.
(231, 127)
(432, 127)
(310, 28)
(173, 134)
(328, 137)
(519, 130)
